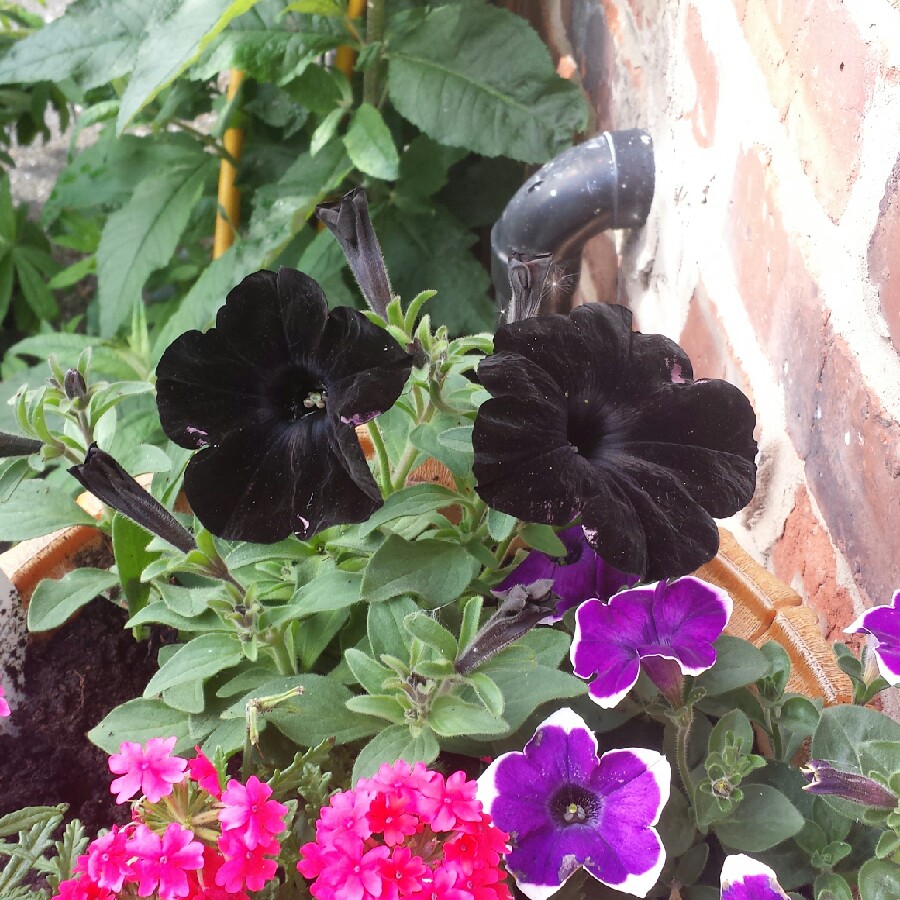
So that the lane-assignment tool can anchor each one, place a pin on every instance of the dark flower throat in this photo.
(294, 393)
(573, 804)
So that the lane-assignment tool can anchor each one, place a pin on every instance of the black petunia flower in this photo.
(590, 419)
(270, 396)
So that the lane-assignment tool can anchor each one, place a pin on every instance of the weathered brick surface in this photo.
(820, 73)
(852, 455)
(884, 255)
(805, 558)
(706, 75)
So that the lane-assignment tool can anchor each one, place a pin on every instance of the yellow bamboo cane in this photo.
(345, 58)
(229, 195)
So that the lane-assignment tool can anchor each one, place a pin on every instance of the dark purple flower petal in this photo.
(676, 621)
(564, 808)
(883, 623)
(824, 778)
(589, 418)
(744, 878)
(271, 396)
(527, 275)
(577, 576)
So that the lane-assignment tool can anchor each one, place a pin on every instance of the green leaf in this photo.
(187, 601)
(426, 437)
(543, 538)
(829, 886)
(200, 658)
(430, 632)
(500, 525)
(382, 706)
(282, 208)
(159, 613)
(436, 571)
(370, 144)
(176, 36)
(879, 879)
(139, 720)
(450, 716)
(385, 630)
(415, 500)
(737, 663)
(34, 288)
(763, 819)
(396, 742)
(736, 723)
(479, 77)
(132, 557)
(321, 712)
(142, 236)
(91, 44)
(857, 739)
(53, 602)
(488, 692)
(26, 818)
(317, 633)
(332, 588)
(36, 508)
(369, 673)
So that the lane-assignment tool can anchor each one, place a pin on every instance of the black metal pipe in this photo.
(605, 182)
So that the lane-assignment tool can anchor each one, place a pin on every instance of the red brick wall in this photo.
(772, 251)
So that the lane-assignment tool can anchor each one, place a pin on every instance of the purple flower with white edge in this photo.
(668, 628)
(744, 878)
(883, 623)
(564, 808)
(578, 576)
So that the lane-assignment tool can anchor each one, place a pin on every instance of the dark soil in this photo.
(73, 678)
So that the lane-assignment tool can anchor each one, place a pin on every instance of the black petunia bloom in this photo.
(270, 396)
(590, 419)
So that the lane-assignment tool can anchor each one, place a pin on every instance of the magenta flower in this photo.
(243, 866)
(883, 623)
(578, 576)
(201, 769)
(668, 628)
(565, 808)
(162, 861)
(249, 812)
(4, 706)
(744, 878)
(108, 860)
(79, 888)
(151, 770)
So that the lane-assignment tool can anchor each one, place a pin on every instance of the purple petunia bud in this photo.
(349, 222)
(108, 481)
(823, 778)
(527, 275)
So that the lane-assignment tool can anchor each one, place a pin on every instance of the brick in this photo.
(805, 558)
(705, 340)
(884, 251)
(820, 74)
(779, 292)
(853, 469)
(706, 75)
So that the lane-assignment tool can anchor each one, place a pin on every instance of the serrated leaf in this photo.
(176, 36)
(141, 237)
(200, 658)
(53, 602)
(90, 44)
(370, 144)
(479, 77)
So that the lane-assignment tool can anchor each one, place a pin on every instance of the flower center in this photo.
(573, 804)
(296, 392)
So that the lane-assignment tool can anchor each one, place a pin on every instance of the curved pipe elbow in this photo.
(605, 182)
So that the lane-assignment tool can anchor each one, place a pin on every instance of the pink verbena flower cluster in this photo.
(406, 833)
(230, 847)
(5, 711)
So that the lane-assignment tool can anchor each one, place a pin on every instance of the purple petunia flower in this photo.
(577, 576)
(565, 808)
(669, 628)
(744, 878)
(883, 623)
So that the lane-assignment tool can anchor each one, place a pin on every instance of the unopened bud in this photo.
(823, 778)
(75, 387)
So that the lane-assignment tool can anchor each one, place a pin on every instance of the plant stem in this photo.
(381, 455)
(375, 20)
(404, 467)
(682, 738)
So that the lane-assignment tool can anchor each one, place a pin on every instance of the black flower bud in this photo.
(527, 275)
(74, 385)
(349, 222)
